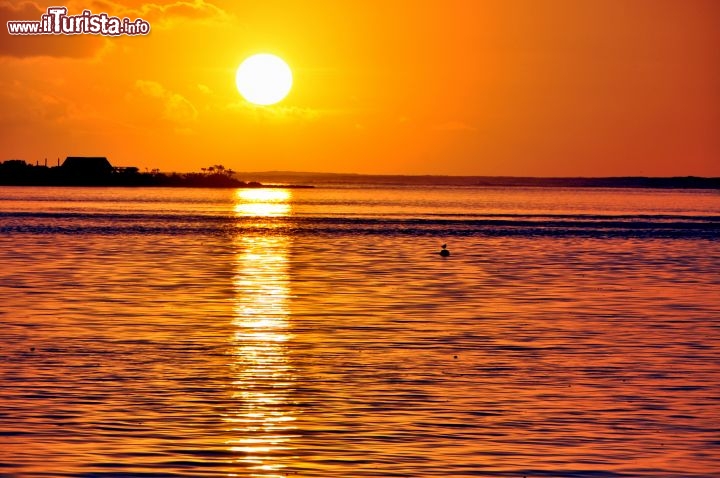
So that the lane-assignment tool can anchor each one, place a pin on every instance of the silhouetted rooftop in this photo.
(87, 164)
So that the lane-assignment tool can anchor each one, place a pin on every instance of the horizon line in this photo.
(494, 176)
(421, 175)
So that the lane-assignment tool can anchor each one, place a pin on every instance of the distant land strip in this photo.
(687, 182)
(97, 171)
(678, 182)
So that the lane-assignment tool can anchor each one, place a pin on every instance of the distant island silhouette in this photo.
(348, 179)
(98, 171)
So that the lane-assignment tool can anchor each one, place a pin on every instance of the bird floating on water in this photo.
(444, 251)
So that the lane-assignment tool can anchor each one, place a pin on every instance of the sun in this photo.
(263, 79)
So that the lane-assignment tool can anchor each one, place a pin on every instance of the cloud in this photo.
(26, 46)
(197, 9)
(454, 126)
(88, 46)
(175, 107)
(280, 112)
(162, 14)
(36, 106)
(150, 88)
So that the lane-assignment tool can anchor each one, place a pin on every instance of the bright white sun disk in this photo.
(263, 79)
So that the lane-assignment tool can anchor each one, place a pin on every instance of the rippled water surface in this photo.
(317, 333)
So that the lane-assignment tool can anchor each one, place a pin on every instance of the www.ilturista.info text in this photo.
(57, 22)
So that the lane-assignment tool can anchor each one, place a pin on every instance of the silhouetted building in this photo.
(87, 165)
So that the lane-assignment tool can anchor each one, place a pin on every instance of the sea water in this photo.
(318, 332)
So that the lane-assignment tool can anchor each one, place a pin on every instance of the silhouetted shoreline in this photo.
(97, 171)
(101, 173)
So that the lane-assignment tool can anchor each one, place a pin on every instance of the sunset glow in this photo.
(369, 239)
(467, 87)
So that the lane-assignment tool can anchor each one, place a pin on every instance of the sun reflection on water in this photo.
(263, 202)
(262, 423)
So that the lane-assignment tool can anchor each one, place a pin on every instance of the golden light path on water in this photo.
(262, 202)
(261, 425)
(572, 333)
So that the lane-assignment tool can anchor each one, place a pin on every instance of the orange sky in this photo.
(501, 87)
